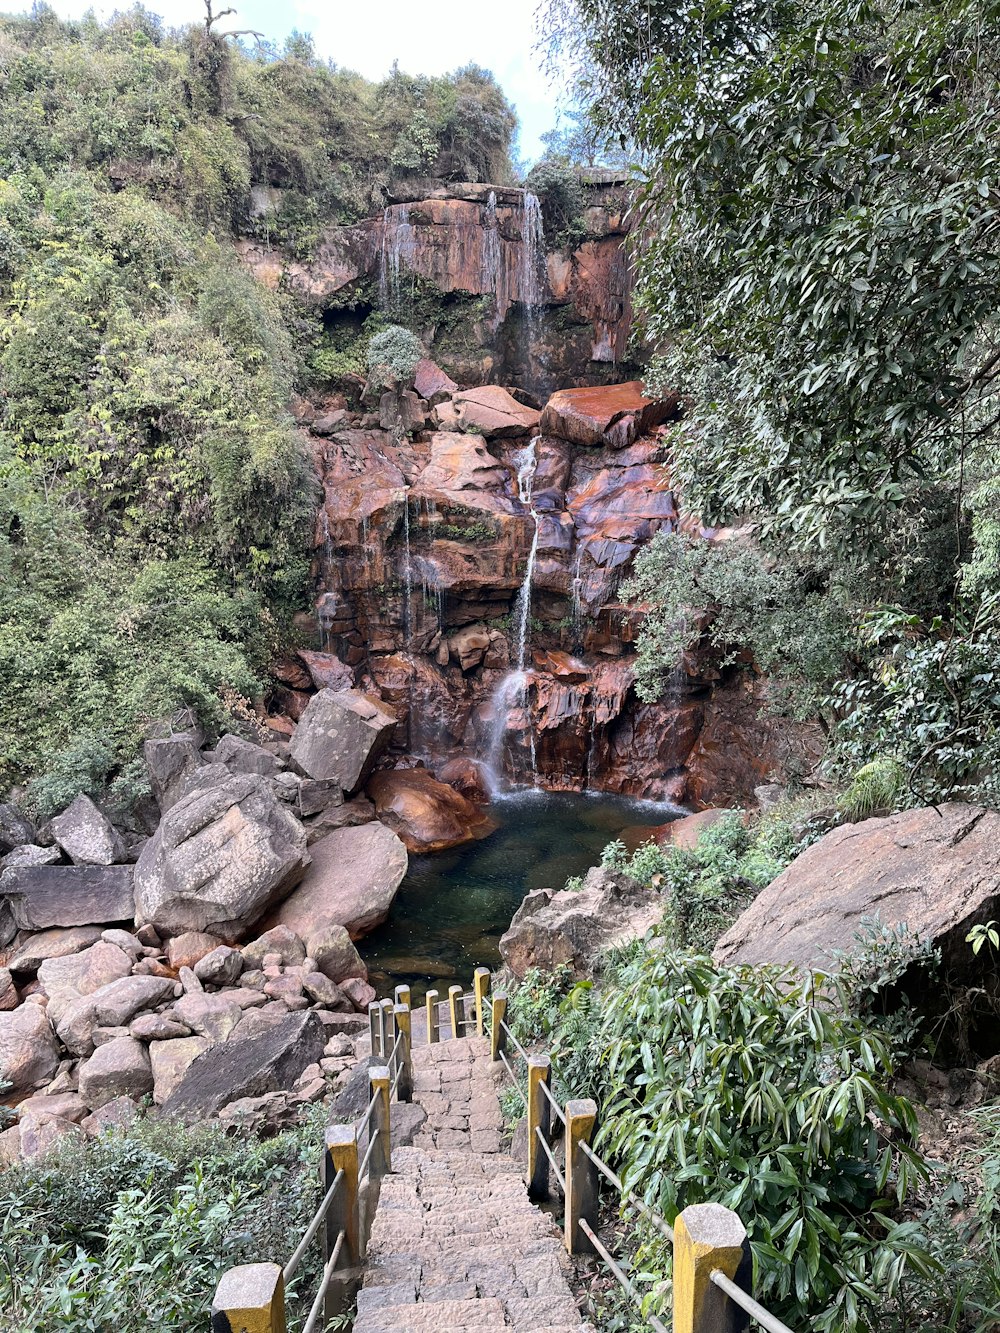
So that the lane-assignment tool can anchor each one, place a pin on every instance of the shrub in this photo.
(393, 354)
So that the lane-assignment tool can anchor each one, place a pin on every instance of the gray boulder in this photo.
(248, 1067)
(64, 980)
(30, 854)
(43, 896)
(221, 857)
(113, 1005)
(351, 883)
(170, 1061)
(576, 926)
(212, 1016)
(15, 829)
(119, 1068)
(335, 954)
(29, 1052)
(58, 943)
(169, 762)
(221, 967)
(86, 835)
(938, 870)
(241, 756)
(281, 941)
(340, 738)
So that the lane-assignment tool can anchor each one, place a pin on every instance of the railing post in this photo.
(404, 1089)
(453, 996)
(375, 1028)
(540, 1118)
(708, 1236)
(386, 1033)
(402, 994)
(433, 1017)
(480, 986)
(344, 1214)
(498, 1014)
(250, 1299)
(581, 1175)
(381, 1158)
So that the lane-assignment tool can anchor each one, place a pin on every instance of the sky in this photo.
(432, 37)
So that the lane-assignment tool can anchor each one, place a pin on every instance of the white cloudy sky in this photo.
(432, 37)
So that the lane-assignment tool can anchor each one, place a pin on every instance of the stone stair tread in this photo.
(456, 1245)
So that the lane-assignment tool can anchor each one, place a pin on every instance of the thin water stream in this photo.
(453, 906)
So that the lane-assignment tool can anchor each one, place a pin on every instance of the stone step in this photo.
(468, 1316)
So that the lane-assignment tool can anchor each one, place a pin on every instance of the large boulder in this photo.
(15, 829)
(58, 943)
(612, 414)
(341, 736)
(428, 815)
(111, 1006)
(241, 756)
(170, 1061)
(253, 1066)
(43, 896)
(119, 1068)
(352, 881)
(489, 411)
(169, 762)
(574, 926)
(326, 670)
(29, 1052)
(63, 980)
(221, 857)
(335, 954)
(86, 835)
(937, 869)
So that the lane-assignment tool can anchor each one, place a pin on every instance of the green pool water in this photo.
(453, 907)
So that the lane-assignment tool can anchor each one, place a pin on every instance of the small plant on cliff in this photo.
(393, 355)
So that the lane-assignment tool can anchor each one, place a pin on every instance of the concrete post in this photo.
(539, 1118)
(708, 1236)
(344, 1214)
(381, 1159)
(404, 1088)
(498, 1013)
(454, 1010)
(480, 987)
(581, 1175)
(375, 1029)
(250, 1299)
(433, 1018)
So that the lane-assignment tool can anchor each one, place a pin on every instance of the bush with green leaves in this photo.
(393, 354)
(133, 1230)
(707, 886)
(759, 1090)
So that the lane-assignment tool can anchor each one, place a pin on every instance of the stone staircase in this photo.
(456, 1246)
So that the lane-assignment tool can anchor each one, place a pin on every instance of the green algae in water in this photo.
(453, 907)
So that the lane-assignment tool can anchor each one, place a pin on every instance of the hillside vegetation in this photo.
(154, 494)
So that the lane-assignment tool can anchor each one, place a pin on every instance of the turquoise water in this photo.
(453, 907)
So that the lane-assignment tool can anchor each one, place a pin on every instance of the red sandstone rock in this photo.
(325, 671)
(428, 815)
(684, 833)
(615, 415)
(466, 776)
(431, 383)
(494, 413)
(291, 673)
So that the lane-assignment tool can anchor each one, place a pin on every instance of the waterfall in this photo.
(530, 277)
(407, 572)
(399, 247)
(512, 691)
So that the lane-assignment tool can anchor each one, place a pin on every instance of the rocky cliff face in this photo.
(496, 303)
(469, 580)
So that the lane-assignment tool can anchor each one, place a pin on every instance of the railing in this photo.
(712, 1269)
(251, 1298)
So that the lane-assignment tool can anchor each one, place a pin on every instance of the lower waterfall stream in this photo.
(453, 906)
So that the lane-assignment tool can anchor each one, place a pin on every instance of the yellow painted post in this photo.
(498, 1038)
(403, 995)
(581, 1175)
(433, 1018)
(374, 1029)
(381, 1158)
(539, 1118)
(481, 987)
(707, 1237)
(250, 1299)
(341, 1142)
(453, 1008)
(387, 1028)
(404, 1088)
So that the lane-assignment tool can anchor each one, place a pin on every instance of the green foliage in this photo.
(136, 1228)
(984, 932)
(750, 1088)
(392, 354)
(872, 971)
(706, 887)
(876, 788)
(557, 183)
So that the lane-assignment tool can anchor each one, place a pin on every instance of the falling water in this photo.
(530, 278)
(512, 691)
(407, 572)
(399, 247)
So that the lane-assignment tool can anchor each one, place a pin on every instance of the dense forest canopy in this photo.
(820, 271)
(154, 493)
